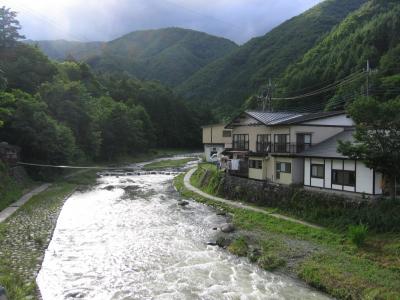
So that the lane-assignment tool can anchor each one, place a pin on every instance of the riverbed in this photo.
(128, 238)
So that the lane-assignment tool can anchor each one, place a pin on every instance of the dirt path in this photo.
(236, 204)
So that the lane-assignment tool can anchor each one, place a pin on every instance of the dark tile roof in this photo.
(328, 148)
(312, 116)
(289, 118)
(272, 118)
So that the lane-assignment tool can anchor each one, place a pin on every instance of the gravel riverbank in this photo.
(24, 238)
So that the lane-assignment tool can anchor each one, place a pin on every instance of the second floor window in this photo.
(303, 141)
(281, 143)
(241, 141)
(226, 133)
(263, 143)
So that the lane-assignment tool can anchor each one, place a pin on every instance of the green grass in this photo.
(10, 190)
(168, 163)
(324, 258)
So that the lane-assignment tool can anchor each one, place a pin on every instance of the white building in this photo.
(326, 168)
(293, 148)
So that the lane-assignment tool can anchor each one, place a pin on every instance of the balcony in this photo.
(281, 148)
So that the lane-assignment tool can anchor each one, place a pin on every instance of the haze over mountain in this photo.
(105, 20)
(226, 83)
(323, 44)
(169, 55)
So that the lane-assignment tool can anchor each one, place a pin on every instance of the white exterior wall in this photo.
(213, 134)
(340, 120)
(318, 134)
(259, 174)
(364, 179)
(364, 176)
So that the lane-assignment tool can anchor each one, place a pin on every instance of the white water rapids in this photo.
(127, 238)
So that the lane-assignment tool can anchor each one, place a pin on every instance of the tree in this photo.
(41, 138)
(9, 27)
(377, 137)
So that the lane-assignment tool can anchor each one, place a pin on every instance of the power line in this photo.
(346, 80)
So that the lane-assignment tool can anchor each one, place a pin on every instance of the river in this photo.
(127, 238)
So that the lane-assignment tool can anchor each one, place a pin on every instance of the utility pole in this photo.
(266, 97)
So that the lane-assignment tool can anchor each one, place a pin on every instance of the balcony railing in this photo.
(281, 147)
(241, 146)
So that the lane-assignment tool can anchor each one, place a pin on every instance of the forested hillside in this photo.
(372, 34)
(62, 113)
(229, 81)
(168, 55)
(61, 49)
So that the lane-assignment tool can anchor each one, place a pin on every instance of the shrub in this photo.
(357, 234)
(270, 262)
(239, 247)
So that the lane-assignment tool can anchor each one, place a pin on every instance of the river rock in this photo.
(183, 203)
(227, 228)
(109, 187)
(212, 244)
(221, 213)
(75, 295)
(223, 241)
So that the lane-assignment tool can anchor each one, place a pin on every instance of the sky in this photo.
(104, 20)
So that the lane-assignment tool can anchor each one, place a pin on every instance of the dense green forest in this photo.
(168, 55)
(372, 33)
(227, 82)
(61, 50)
(63, 112)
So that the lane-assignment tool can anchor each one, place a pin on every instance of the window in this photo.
(241, 141)
(255, 164)
(317, 171)
(342, 177)
(263, 143)
(282, 167)
(226, 133)
(281, 143)
(303, 141)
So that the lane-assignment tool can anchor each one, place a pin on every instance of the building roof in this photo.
(272, 118)
(328, 148)
(213, 125)
(312, 116)
(288, 118)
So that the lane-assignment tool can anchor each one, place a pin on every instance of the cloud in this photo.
(90, 20)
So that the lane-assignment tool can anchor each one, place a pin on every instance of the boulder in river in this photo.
(183, 203)
(109, 187)
(227, 228)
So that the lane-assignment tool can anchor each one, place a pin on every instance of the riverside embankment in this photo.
(323, 257)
